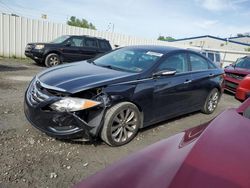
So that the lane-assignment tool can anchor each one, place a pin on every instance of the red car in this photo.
(212, 155)
(237, 79)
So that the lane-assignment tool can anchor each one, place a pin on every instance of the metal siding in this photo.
(6, 36)
(1, 35)
(12, 37)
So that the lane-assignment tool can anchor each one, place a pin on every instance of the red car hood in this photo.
(237, 70)
(213, 156)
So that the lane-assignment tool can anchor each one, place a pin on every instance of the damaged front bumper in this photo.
(63, 125)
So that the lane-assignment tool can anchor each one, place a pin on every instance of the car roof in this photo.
(156, 48)
(99, 38)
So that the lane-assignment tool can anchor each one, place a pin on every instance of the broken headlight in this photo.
(69, 104)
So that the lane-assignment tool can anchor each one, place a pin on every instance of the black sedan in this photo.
(115, 95)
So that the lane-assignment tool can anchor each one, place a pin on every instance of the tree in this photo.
(243, 35)
(167, 38)
(240, 35)
(73, 21)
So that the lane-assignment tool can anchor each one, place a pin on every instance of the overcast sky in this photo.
(145, 18)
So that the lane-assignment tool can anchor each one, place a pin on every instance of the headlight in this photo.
(70, 104)
(39, 46)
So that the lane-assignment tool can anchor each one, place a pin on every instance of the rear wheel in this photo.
(121, 124)
(211, 101)
(52, 60)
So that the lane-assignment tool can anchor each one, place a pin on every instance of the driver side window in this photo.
(177, 62)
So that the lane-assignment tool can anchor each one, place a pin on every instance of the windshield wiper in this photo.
(112, 67)
(91, 61)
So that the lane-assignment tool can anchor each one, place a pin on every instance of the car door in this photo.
(72, 49)
(89, 48)
(203, 75)
(172, 92)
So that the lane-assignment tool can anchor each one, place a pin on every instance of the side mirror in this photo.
(165, 73)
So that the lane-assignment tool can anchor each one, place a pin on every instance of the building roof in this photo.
(213, 37)
(239, 37)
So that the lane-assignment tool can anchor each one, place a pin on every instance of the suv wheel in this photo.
(211, 101)
(52, 60)
(121, 124)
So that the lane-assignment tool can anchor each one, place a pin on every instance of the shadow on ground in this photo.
(5, 68)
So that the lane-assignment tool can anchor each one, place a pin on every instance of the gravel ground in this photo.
(29, 158)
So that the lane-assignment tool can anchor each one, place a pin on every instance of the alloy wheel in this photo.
(213, 101)
(53, 60)
(124, 125)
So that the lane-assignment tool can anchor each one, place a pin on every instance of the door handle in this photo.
(211, 75)
(187, 81)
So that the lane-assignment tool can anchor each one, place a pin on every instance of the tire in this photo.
(52, 60)
(211, 101)
(121, 124)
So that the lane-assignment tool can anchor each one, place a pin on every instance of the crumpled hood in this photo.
(79, 76)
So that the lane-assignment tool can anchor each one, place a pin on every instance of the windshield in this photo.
(131, 60)
(60, 39)
(243, 63)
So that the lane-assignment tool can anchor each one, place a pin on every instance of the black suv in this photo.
(67, 48)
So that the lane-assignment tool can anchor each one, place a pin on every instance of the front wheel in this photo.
(52, 60)
(211, 102)
(121, 124)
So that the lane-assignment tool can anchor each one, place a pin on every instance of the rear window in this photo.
(90, 43)
(104, 44)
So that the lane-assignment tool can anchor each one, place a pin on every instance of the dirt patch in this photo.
(29, 158)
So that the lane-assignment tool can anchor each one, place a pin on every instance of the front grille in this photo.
(37, 94)
(235, 76)
(231, 85)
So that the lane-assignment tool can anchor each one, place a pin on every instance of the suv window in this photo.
(176, 62)
(103, 44)
(217, 57)
(75, 41)
(89, 42)
(211, 56)
(198, 62)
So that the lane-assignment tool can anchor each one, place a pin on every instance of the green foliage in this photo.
(168, 38)
(247, 49)
(243, 35)
(73, 21)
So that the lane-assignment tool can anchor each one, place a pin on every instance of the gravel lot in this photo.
(29, 158)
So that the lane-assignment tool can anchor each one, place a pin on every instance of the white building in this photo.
(208, 41)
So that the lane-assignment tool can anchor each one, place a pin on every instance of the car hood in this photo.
(236, 70)
(75, 77)
(214, 155)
